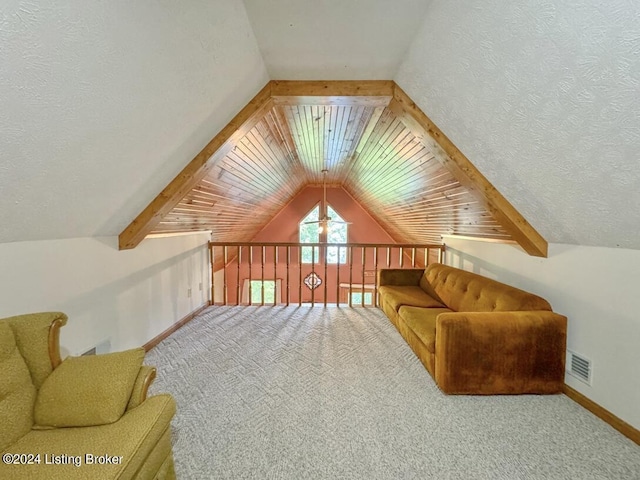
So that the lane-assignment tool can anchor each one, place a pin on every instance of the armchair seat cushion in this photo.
(396, 297)
(130, 444)
(87, 391)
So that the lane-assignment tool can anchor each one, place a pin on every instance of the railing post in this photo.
(288, 260)
(264, 249)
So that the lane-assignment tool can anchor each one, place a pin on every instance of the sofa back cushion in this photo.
(464, 291)
(17, 392)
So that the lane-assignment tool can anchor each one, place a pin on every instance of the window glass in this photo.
(356, 298)
(337, 233)
(269, 291)
(310, 233)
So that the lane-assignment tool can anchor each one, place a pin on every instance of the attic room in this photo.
(144, 143)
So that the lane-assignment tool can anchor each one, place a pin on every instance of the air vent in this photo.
(579, 367)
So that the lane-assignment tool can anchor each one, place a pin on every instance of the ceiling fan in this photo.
(325, 220)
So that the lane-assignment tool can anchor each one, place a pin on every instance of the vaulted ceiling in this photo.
(373, 141)
(103, 103)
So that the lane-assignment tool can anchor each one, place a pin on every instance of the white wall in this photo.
(598, 289)
(128, 297)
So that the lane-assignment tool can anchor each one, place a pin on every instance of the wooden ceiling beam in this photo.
(370, 93)
(467, 174)
(197, 169)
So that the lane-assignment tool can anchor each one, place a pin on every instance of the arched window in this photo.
(311, 230)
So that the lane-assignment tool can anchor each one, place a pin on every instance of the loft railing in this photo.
(249, 273)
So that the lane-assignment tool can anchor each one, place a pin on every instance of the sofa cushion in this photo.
(17, 392)
(89, 390)
(464, 291)
(422, 322)
(414, 296)
(132, 439)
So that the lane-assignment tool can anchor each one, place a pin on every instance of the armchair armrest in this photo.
(500, 352)
(145, 378)
(400, 277)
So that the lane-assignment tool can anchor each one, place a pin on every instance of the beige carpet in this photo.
(335, 393)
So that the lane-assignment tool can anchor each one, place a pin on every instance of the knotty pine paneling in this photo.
(366, 148)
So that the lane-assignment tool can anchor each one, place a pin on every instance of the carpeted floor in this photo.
(335, 393)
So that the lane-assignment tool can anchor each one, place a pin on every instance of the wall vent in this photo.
(579, 367)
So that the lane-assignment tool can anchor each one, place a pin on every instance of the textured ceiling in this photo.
(542, 96)
(103, 103)
(334, 39)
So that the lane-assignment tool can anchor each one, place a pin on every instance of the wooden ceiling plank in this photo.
(468, 175)
(259, 153)
(366, 134)
(196, 169)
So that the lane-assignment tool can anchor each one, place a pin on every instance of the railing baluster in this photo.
(238, 276)
(401, 253)
(300, 271)
(313, 269)
(338, 279)
(288, 260)
(350, 274)
(426, 256)
(213, 275)
(440, 254)
(364, 265)
(413, 257)
(224, 275)
(374, 300)
(388, 257)
(264, 250)
(325, 276)
(275, 273)
(250, 274)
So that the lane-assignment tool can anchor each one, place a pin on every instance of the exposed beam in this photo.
(467, 174)
(197, 168)
(370, 93)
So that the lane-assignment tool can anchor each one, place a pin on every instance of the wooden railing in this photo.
(282, 272)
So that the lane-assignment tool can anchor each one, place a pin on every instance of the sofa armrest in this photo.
(500, 352)
(400, 277)
(145, 378)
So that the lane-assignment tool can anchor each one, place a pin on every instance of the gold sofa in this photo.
(475, 335)
(84, 417)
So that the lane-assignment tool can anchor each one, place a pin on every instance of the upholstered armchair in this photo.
(84, 417)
